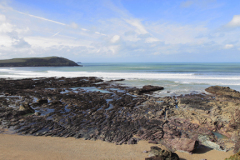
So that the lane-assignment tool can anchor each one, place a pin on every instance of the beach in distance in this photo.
(121, 111)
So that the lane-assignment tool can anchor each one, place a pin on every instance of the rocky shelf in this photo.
(89, 108)
(37, 62)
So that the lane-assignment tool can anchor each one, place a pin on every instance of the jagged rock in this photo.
(157, 153)
(115, 116)
(25, 108)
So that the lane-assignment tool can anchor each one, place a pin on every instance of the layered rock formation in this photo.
(89, 108)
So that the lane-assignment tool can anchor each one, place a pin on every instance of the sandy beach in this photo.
(55, 148)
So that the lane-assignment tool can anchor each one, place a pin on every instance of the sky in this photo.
(121, 30)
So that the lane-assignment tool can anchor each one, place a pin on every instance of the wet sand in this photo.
(54, 148)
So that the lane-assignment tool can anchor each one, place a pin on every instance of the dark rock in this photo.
(37, 113)
(25, 108)
(117, 80)
(42, 101)
(149, 88)
(132, 141)
(153, 142)
(157, 153)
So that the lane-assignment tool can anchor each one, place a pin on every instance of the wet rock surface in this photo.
(148, 89)
(89, 108)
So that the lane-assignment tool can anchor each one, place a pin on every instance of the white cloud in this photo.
(84, 29)
(74, 25)
(235, 22)
(120, 36)
(228, 46)
(6, 27)
(100, 33)
(137, 23)
(55, 34)
(42, 18)
(5, 41)
(115, 38)
(151, 40)
(21, 43)
(178, 34)
(45, 42)
(114, 49)
(2, 18)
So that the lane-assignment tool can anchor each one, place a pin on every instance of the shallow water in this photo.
(176, 78)
(94, 89)
(220, 136)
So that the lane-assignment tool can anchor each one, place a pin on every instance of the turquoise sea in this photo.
(176, 78)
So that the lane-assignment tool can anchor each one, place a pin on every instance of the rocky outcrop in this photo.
(148, 89)
(87, 107)
(157, 153)
(25, 108)
(36, 62)
(226, 91)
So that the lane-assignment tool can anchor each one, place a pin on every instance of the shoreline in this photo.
(55, 148)
(92, 109)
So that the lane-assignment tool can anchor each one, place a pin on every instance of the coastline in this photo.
(88, 108)
(55, 148)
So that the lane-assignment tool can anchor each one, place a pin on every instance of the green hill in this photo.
(37, 62)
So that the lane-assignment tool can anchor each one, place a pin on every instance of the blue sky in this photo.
(121, 30)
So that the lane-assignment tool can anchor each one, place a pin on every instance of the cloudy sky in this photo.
(121, 30)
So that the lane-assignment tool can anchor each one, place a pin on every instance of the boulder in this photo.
(149, 88)
(132, 141)
(182, 144)
(42, 100)
(205, 140)
(25, 108)
(157, 153)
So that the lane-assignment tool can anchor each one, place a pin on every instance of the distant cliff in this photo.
(37, 62)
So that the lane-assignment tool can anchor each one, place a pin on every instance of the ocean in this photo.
(176, 78)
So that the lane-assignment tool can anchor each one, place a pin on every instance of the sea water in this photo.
(176, 78)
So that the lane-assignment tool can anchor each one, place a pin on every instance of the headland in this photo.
(37, 62)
